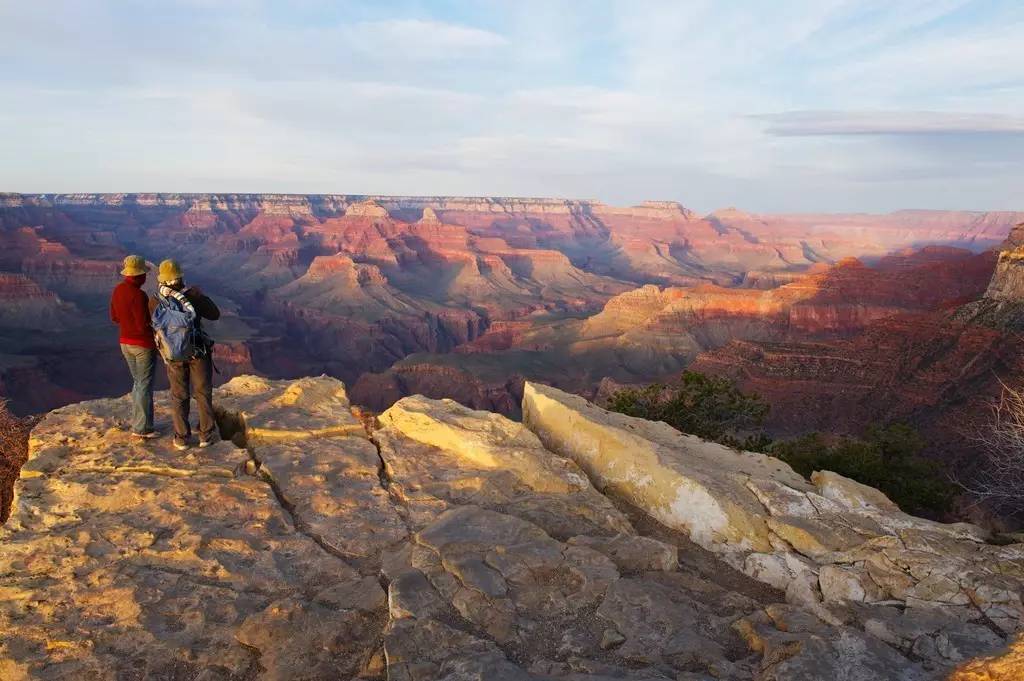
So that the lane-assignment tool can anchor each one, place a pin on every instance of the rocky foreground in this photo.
(444, 543)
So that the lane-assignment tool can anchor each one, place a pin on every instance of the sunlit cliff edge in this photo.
(437, 542)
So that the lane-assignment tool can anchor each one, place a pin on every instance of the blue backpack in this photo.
(175, 325)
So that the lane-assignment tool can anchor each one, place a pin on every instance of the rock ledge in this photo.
(447, 543)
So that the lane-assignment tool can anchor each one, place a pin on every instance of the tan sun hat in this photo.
(170, 270)
(134, 265)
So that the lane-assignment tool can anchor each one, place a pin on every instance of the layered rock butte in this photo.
(439, 542)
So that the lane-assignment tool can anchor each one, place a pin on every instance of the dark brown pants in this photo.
(195, 378)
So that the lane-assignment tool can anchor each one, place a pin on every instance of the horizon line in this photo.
(426, 197)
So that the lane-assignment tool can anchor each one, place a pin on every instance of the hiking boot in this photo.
(180, 443)
(147, 435)
(205, 442)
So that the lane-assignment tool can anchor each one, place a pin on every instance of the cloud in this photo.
(811, 123)
(423, 37)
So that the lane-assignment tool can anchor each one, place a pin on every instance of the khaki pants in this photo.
(192, 378)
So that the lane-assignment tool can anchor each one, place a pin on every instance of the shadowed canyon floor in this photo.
(446, 543)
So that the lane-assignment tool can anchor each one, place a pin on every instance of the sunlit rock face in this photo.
(1008, 281)
(439, 542)
(1002, 306)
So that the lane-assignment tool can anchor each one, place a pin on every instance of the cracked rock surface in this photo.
(454, 544)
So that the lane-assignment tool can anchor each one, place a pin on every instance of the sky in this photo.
(782, 106)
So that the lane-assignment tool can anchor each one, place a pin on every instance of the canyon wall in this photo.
(939, 369)
(651, 333)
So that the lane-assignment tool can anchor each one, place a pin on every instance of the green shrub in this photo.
(710, 407)
(886, 458)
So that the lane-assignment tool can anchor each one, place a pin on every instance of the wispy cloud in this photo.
(809, 123)
(422, 37)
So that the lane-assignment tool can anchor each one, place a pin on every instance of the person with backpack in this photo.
(177, 314)
(129, 311)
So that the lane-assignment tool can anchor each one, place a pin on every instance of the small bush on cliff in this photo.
(13, 452)
(999, 481)
(886, 458)
(710, 407)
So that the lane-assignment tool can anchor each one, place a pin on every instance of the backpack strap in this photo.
(167, 293)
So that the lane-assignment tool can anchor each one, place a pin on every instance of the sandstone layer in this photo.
(447, 543)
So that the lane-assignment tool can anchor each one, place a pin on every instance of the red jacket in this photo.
(129, 309)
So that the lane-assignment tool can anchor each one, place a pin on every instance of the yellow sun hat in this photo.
(134, 265)
(170, 270)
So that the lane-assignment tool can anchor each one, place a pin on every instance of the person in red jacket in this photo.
(129, 309)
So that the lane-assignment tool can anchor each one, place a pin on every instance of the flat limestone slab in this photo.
(332, 487)
(90, 441)
(277, 410)
(439, 454)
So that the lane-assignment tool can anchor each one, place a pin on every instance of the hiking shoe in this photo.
(205, 442)
(148, 435)
(180, 444)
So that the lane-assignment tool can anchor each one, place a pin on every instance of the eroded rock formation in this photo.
(1002, 306)
(446, 543)
(652, 333)
(347, 284)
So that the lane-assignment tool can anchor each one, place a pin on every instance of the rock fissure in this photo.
(983, 617)
(235, 428)
(204, 581)
(397, 500)
(382, 470)
(297, 522)
(152, 470)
